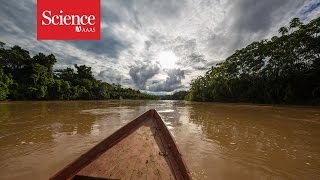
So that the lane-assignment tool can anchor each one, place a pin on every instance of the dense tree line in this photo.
(284, 69)
(179, 95)
(23, 77)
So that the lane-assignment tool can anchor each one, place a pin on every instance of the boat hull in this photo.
(142, 149)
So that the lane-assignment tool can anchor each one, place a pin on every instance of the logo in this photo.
(68, 19)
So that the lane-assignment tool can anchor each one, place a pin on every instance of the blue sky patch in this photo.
(311, 8)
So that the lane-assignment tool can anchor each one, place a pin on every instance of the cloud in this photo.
(253, 16)
(310, 10)
(312, 7)
(248, 21)
(172, 82)
(112, 76)
(109, 45)
(18, 17)
(142, 73)
(200, 33)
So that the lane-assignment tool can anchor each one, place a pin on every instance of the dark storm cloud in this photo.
(254, 16)
(109, 45)
(142, 73)
(112, 76)
(110, 15)
(17, 17)
(172, 82)
(252, 19)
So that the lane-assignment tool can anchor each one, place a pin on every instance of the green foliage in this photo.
(32, 78)
(179, 95)
(5, 82)
(285, 69)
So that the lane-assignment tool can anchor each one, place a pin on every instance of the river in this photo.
(218, 141)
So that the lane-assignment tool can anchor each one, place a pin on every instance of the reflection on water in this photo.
(220, 141)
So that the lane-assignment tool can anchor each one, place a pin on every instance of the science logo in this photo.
(68, 19)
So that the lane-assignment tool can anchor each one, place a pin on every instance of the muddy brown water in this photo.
(218, 141)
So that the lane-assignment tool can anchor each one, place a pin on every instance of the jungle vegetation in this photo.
(284, 69)
(178, 95)
(23, 77)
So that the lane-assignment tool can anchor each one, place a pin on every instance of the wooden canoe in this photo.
(142, 149)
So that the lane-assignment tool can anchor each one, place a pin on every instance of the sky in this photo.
(158, 46)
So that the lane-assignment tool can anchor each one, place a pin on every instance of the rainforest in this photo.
(284, 69)
(23, 77)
